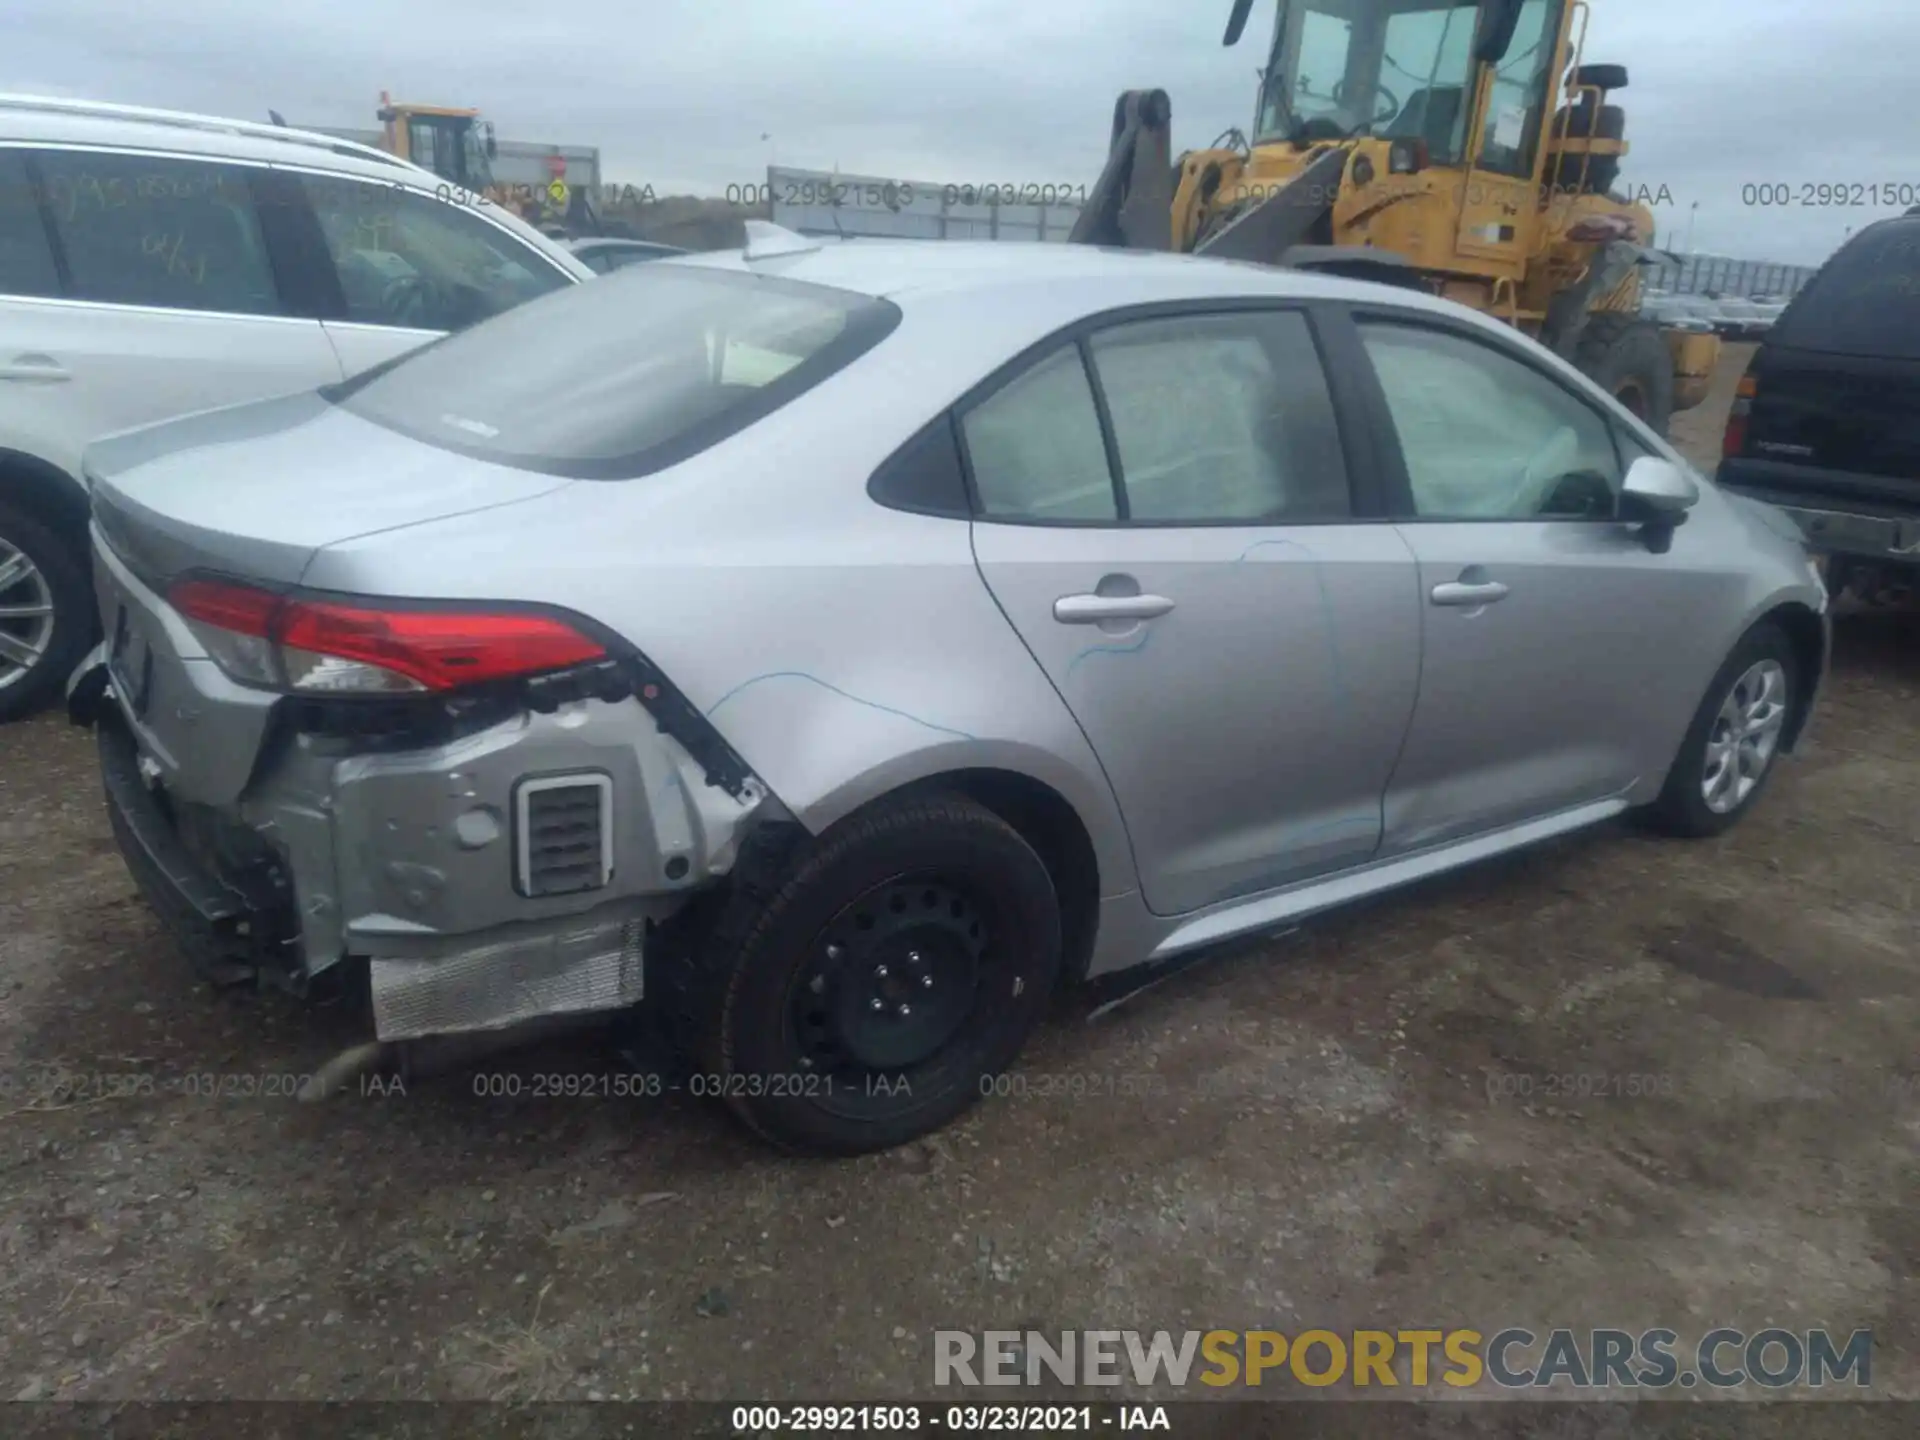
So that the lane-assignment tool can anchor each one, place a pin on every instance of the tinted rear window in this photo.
(620, 377)
(1865, 301)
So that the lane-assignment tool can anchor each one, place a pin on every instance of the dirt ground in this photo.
(1358, 1125)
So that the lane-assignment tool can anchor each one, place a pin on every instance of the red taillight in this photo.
(328, 646)
(439, 649)
(238, 608)
(1734, 442)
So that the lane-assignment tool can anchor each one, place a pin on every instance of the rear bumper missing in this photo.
(412, 860)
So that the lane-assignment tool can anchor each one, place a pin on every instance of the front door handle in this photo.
(1092, 609)
(43, 369)
(1456, 592)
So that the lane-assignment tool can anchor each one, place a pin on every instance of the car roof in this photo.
(893, 269)
(55, 120)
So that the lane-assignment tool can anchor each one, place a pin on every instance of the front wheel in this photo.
(1729, 751)
(873, 988)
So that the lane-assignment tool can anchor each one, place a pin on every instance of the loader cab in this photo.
(1406, 70)
(456, 145)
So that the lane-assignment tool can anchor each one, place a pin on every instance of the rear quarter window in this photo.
(609, 382)
(1864, 301)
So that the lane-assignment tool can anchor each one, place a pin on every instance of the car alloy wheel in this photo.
(26, 615)
(1744, 737)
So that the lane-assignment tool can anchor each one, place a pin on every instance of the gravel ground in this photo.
(1348, 1127)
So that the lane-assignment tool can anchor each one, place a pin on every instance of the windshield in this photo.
(1389, 67)
(622, 376)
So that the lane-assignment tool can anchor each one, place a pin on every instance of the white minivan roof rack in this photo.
(211, 124)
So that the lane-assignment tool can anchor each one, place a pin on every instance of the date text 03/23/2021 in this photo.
(954, 1419)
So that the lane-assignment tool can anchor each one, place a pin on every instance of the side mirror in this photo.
(1494, 34)
(1656, 495)
(1237, 21)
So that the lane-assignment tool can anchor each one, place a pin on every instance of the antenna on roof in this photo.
(766, 239)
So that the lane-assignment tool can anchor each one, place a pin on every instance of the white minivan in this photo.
(154, 263)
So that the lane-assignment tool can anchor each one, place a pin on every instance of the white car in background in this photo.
(154, 263)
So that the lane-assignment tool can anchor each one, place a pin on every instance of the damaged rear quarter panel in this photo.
(395, 853)
(842, 648)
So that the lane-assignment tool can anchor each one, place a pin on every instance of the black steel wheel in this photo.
(866, 987)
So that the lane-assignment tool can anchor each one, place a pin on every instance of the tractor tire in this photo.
(1627, 357)
(1600, 171)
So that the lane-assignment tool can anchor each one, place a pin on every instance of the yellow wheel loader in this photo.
(1419, 142)
(459, 147)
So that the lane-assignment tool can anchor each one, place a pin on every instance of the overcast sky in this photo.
(678, 93)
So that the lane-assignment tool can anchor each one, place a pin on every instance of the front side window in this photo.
(177, 234)
(615, 381)
(1485, 437)
(26, 259)
(1384, 67)
(1222, 419)
(409, 259)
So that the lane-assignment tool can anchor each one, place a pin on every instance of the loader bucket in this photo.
(1131, 204)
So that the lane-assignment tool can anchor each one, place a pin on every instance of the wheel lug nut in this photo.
(818, 984)
(834, 952)
(913, 957)
(877, 1004)
(905, 1010)
(879, 972)
(806, 1062)
(926, 982)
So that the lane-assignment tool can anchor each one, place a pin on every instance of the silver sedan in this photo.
(832, 648)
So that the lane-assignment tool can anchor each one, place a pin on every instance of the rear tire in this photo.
(871, 984)
(39, 572)
(1628, 358)
(1733, 745)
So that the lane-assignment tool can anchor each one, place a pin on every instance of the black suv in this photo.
(1826, 423)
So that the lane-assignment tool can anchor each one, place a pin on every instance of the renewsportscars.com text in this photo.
(1511, 1359)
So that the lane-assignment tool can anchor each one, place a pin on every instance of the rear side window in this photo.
(1036, 449)
(1222, 419)
(609, 382)
(141, 230)
(410, 260)
(1865, 301)
(26, 259)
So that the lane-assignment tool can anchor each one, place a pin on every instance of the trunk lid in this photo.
(255, 491)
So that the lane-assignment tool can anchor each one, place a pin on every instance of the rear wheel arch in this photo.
(46, 492)
(1047, 821)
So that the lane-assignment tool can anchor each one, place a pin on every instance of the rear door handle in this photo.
(1092, 609)
(1456, 592)
(41, 369)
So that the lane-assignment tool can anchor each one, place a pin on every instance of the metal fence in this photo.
(1723, 275)
(825, 202)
